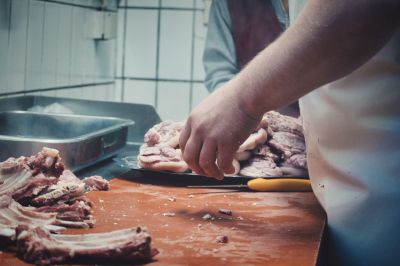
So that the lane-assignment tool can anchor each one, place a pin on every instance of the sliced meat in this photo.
(38, 246)
(287, 143)
(281, 123)
(162, 158)
(96, 183)
(261, 167)
(253, 140)
(166, 133)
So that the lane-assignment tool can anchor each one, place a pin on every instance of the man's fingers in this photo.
(184, 136)
(225, 157)
(191, 154)
(207, 160)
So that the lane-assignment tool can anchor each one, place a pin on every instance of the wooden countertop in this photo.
(264, 229)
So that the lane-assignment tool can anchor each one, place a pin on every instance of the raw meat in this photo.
(162, 158)
(253, 140)
(64, 190)
(96, 183)
(281, 123)
(287, 143)
(265, 151)
(37, 181)
(38, 246)
(297, 161)
(261, 166)
(13, 214)
(278, 146)
(165, 133)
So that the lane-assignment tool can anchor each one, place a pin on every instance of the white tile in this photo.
(141, 43)
(177, 3)
(88, 53)
(199, 42)
(105, 60)
(49, 60)
(17, 45)
(200, 92)
(64, 36)
(173, 100)
(70, 93)
(141, 3)
(99, 93)
(33, 75)
(77, 66)
(118, 90)
(137, 91)
(120, 41)
(175, 44)
(4, 37)
(199, 3)
(52, 93)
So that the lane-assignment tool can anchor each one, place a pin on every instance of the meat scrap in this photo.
(38, 246)
(225, 211)
(96, 183)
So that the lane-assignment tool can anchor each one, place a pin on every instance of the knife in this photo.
(271, 185)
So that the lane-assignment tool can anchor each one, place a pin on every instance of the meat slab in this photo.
(38, 198)
(276, 148)
(38, 246)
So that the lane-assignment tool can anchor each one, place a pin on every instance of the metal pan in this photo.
(82, 140)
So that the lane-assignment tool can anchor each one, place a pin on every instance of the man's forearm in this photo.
(329, 40)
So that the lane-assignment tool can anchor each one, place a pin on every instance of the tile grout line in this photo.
(42, 50)
(192, 59)
(58, 88)
(124, 52)
(26, 43)
(157, 54)
(8, 43)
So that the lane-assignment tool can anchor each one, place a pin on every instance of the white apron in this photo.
(352, 129)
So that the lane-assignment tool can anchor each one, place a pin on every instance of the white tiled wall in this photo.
(43, 47)
(161, 64)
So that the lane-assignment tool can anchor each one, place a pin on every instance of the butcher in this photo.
(342, 60)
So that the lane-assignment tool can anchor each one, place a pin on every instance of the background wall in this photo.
(156, 58)
(44, 51)
(159, 54)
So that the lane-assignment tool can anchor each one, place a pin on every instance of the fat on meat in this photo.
(261, 167)
(259, 137)
(165, 133)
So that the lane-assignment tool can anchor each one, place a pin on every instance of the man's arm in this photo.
(329, 40)
(219, 57)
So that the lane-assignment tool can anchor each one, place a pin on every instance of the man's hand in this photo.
(214, 131)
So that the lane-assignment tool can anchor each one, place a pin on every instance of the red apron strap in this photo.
(254, 26)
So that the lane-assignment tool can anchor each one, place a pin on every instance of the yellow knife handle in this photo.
(279, 184)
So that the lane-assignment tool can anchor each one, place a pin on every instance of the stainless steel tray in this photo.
(82, 140)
